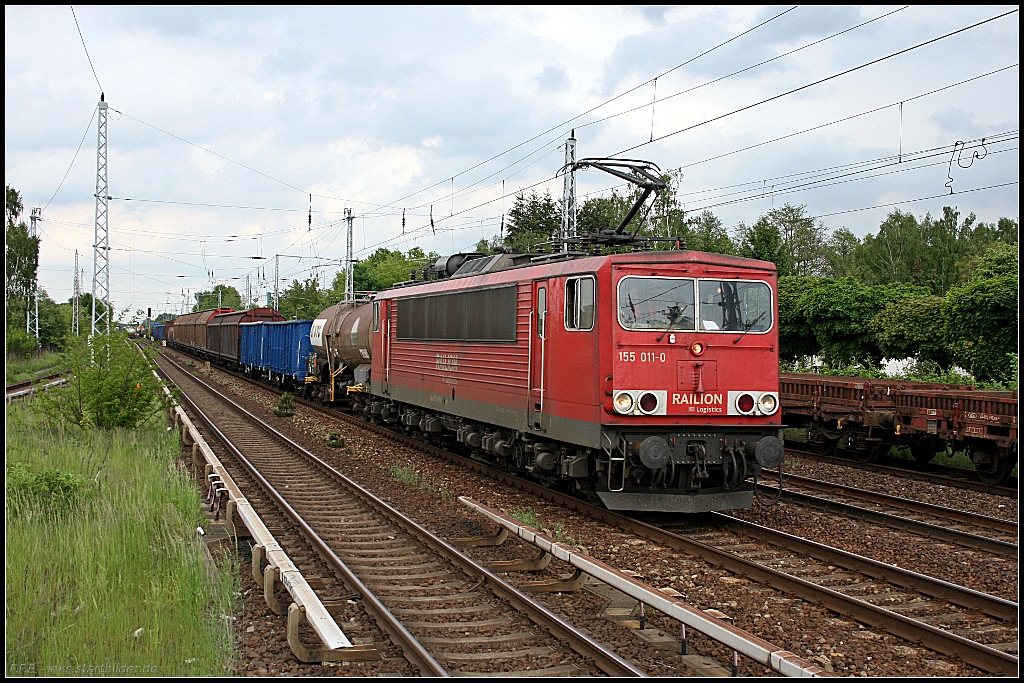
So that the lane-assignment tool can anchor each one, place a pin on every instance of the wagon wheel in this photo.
(923, 451)
(821, 444)
(869, 453)
(995, 473)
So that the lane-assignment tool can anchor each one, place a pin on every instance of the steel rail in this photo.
(986, 521)
(15, 386)
(960, 482)
(413, 650)
(992, 605)
(607, 660)
(940, 533)
(981, 656)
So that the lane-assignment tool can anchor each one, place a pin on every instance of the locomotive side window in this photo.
(542, 311)
(579, 303)
(376, 316)
(656, 303)
(735, 306)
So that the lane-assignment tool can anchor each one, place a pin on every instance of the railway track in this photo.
(449, 614)
(964, 617)
(967, 529)
(932, 473)
(28, 387)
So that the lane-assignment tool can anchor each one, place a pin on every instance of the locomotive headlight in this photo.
(648, 402)
(745, 403)
(697, 348)
(623, 402)
(768, 404)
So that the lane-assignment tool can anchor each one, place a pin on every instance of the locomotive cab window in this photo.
(735, 306)
(656, 303)
(579, 303)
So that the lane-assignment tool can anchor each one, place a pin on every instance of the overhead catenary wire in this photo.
(86, 49)
(74, 158)
(654, 81)
(818, 82)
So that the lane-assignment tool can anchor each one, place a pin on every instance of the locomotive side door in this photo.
(538, 336)
(385, 340)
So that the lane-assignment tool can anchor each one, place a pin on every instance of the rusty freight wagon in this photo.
(866, 417)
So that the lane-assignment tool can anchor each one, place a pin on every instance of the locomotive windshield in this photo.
(734, 306)
(656, 303)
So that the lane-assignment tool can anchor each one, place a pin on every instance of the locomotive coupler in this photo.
(699, 453)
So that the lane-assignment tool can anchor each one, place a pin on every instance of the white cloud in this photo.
(369, 105)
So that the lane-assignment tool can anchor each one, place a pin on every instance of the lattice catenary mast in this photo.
(568, 227)
(32, 307)
(349, 262)
(101, 241)
(76, 303)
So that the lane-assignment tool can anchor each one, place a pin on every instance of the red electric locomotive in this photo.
(649, 379)
(646, 380)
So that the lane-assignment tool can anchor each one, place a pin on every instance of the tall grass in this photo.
(104, 568)
(22, 366)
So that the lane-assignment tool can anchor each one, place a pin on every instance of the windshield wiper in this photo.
(749, 325)
(674, 313)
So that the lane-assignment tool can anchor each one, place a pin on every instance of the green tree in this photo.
(226, 295)
(763, 241)
(796, 337)
(705, 232)
(840, 254)
(111, 385)
(913, 328)
(532, 220)
(839, 313)
(382, 269)
(304, 300)
(946, 243)
(982, 316)
(21, 252)
(894, 254)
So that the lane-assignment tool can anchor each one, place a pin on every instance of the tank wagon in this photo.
(866, 417)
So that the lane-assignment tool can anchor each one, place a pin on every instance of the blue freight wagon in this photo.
(158, 331)
(279, 348)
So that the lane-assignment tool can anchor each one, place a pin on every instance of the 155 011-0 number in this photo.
(643, 357)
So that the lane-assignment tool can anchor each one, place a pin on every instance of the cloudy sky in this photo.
(437, 111)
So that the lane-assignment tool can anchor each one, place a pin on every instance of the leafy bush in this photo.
(286, 406)
(111, 385)
(49, 489)
(981, 326)
(913, 328)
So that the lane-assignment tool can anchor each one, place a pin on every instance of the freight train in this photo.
(644, 380)
(867, 417)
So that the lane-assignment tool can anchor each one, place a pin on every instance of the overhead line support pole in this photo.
(101, 236)
(32, 307)
(349, 279)
(568, 228)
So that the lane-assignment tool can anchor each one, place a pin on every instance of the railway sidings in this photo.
(888, 651)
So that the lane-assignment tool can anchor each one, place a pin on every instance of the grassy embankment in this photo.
(18, 369)
(104, 566)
